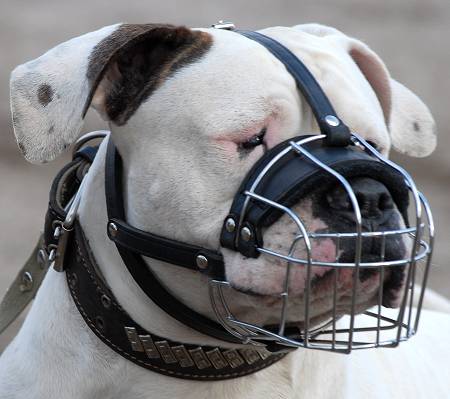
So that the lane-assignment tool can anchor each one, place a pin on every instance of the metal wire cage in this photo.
(357, 328)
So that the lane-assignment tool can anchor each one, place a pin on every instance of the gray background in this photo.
(412, 37)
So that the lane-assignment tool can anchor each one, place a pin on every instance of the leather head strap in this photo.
(338, 134)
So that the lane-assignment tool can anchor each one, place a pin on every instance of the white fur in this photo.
(181, 174)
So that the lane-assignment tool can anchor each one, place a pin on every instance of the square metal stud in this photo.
(149, 347)
(216, 358)
(133, 337)
(250, 355)
(182, 356)
(166, 352)
(200, 359)
(233, 358)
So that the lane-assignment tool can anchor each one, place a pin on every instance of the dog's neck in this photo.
(93, 220)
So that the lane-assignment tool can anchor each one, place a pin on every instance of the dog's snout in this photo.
(373, 198)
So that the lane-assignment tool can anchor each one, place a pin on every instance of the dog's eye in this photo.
(255, 141)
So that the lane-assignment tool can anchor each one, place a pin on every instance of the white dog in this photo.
(180, 104)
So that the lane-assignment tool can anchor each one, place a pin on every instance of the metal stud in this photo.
(246, 234)
(42, 258)
(250, 355)
(233, 358)
(112, 229)
(199, 357)
(183, 356)
(331, 120)
(217, 359)
(136, 344)
(201, 261)
(230, 225)
(149, 346)
(27, 282)
(166, 352)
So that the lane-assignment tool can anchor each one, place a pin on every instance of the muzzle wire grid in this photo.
(372, 328)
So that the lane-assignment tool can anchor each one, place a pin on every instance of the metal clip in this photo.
(62, 231)
(72, 212)
(224, 25)
(57, 255)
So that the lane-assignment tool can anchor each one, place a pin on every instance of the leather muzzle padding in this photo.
(293, 177)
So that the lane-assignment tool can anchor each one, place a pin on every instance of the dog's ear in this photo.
(113, 69)
(408, 119)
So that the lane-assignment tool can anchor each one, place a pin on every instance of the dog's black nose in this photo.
(373, 197)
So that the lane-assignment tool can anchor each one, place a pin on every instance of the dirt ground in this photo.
(411, 36)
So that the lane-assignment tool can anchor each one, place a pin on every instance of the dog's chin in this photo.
(264, 309)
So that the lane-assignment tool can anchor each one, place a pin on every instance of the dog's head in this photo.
(192, 110)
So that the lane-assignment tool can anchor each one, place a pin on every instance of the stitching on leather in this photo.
(150, 365)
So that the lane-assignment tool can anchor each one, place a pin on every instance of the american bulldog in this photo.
(190, 112)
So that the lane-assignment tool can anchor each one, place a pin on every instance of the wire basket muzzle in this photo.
(275, 184)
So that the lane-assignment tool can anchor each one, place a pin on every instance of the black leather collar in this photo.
(110, 322)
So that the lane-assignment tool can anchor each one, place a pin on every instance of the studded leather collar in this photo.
(111, 323)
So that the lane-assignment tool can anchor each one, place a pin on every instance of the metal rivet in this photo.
(42, 258)
(27, 282)
(112, 229)
(331, 120)
(106, 301)
(230, 225)
(246, 234)
(202, 261)
(52, 255)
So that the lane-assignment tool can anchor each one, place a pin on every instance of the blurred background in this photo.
(411, 36)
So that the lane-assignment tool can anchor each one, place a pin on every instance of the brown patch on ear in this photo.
(45, 94)
(129, 65)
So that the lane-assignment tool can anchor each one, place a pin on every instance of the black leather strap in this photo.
(336, 135)
(148, 244)
(129, 244)
(161, 248)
